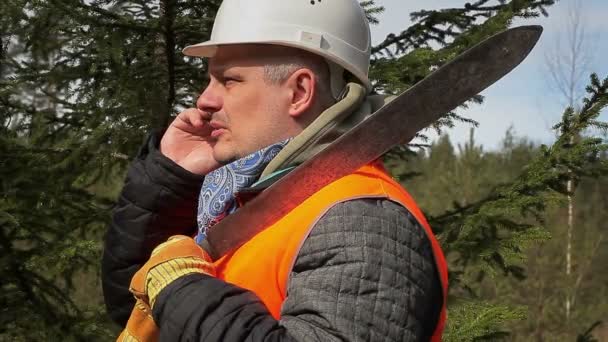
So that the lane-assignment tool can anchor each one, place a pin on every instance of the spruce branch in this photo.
(441, 26)
(477, 321)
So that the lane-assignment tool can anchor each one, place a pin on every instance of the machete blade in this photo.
(396, 123)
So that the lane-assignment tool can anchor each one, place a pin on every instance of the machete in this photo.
(396, 123)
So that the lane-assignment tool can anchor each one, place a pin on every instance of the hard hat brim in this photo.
(204, 49)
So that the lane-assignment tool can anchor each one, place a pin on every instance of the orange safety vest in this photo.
(263, 264)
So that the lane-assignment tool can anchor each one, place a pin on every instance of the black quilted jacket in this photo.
(365, 273)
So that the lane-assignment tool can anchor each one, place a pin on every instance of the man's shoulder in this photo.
(365, 262)
(377, 224)
(368, 212)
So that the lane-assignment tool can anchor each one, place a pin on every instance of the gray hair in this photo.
(279, 69)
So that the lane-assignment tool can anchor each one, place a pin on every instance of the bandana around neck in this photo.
(217, 196)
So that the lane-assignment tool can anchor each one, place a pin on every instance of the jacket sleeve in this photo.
(366, 272)
(158, 200)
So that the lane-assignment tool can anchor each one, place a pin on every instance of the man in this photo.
(356, 261)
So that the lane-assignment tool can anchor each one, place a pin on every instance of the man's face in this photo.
(247, 112)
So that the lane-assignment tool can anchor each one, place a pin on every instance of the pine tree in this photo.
(81, 82)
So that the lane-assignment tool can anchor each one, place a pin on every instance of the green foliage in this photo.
(371, 10)
(80, 84)
(500, 204)
(490, 236)
(476, 321)
(50, 233)
(82, 81)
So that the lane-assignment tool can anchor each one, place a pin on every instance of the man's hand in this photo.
(177, 257)
(170, 260)
(141, 326)
(188, 142)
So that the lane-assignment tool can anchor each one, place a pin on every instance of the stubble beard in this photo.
(224, 153)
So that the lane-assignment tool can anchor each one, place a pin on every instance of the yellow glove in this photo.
(141, 326)
(177, 257)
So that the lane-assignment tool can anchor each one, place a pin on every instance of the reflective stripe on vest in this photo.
(264, 263)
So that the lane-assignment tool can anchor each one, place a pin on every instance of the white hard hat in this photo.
(334, 29)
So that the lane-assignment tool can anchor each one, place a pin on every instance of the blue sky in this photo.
(526, 98)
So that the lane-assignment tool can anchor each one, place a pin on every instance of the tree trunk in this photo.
(164, 98)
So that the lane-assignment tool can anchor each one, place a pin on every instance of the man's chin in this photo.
(223, 154)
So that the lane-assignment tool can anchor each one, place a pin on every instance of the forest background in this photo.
(82, 82)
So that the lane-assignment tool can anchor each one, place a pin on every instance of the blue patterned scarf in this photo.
(217, 196)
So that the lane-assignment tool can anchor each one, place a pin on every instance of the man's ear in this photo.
(302, 86)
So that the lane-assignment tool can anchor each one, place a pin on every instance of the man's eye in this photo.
(230, 80)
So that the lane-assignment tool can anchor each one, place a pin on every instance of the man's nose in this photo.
(210, 100)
